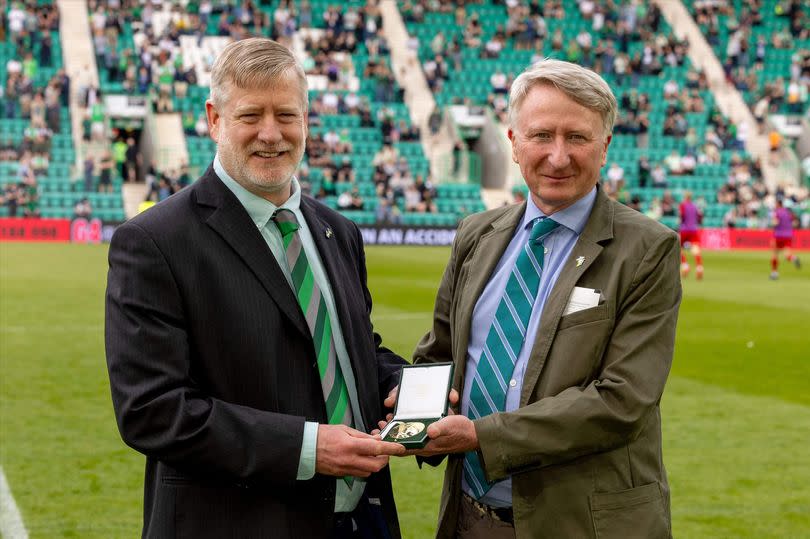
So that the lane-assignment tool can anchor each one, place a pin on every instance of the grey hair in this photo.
(253, 63)
(580, 84)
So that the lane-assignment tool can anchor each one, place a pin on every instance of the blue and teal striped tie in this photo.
(505, 339)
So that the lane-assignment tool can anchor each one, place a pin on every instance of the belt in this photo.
(502, 514)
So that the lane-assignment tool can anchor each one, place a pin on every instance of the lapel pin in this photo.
(580, 260)
(328, 232)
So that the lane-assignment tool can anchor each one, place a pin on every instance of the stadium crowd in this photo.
(139, 51)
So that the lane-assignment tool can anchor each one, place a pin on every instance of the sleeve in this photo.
(160, 409)
(625, 391)
(306, 462)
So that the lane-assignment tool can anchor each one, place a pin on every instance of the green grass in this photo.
(736, 417)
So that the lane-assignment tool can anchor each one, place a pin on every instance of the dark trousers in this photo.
(474, 524)
(365, 522)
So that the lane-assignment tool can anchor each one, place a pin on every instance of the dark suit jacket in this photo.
(213, 370)
(584, 448)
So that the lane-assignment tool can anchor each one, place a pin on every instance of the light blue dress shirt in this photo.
(559, 244)
(261, 211)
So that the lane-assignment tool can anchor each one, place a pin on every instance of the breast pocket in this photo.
(586, 316)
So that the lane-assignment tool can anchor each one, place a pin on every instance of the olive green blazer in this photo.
(584, 448)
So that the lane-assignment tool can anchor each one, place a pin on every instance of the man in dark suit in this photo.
(240, 350)
(560, 316)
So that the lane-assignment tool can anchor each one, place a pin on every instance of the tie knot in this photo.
(285, 221)
(541, 227)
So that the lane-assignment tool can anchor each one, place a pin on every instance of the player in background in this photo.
(690, 217)
(782, 221)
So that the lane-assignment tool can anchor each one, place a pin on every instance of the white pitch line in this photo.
(11, 523)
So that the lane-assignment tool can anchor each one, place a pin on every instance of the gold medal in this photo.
(406, 429)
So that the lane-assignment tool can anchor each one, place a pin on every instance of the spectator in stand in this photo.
(668, 205)
(11, 198)
(82, 209)
(25, 171)
(183, 176)
(344, 200)
(428, 205)
(688, 163)
(644, 171)
(783, 220)
(151, 179)
(105, 167)
(413, 200)
(8, 150)
(164, 189)
(775, 143)
(673, 163)
(499, 82)
(201, 127)
(345, 171)
(387, 155)
(658, 176)
(615, 176)
(132, 161)
(357, 202)
(88, 168)
(690, 219)
(30, 198)
(119, 150)
(189, 123)
(653, 210)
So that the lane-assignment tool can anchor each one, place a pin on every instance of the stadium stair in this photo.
(418, 97)
(729, 100)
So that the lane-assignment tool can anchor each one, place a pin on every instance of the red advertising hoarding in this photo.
(51, 230)
(94, 231)
(746, 238)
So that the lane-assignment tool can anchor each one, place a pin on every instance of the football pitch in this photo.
(736, 411)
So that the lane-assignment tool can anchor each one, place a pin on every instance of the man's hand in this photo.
(391, 399)
(343, 451)
(452, 434)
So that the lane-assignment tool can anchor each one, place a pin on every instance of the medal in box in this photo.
(421, 400)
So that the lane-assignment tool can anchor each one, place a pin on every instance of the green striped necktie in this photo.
(338, 409)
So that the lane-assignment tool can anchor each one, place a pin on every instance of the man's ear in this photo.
(213, 120)
(605, 152)
(510, 134)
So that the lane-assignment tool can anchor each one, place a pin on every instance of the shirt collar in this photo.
(259, 209)
(573, 217)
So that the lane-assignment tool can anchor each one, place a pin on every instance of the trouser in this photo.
(365, 522)
(474, 522)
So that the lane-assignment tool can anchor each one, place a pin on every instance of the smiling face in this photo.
(260, 135)
(560, 146)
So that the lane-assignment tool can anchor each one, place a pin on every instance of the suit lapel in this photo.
(587, 249)
(230, 220)
(486, 254)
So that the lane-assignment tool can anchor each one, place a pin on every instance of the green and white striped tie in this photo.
(335, 394)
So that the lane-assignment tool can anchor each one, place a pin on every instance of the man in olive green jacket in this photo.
(575, 451)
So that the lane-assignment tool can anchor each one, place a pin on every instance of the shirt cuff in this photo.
(306, 463)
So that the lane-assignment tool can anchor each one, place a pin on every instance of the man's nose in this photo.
(558, 156)
(269, 130)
